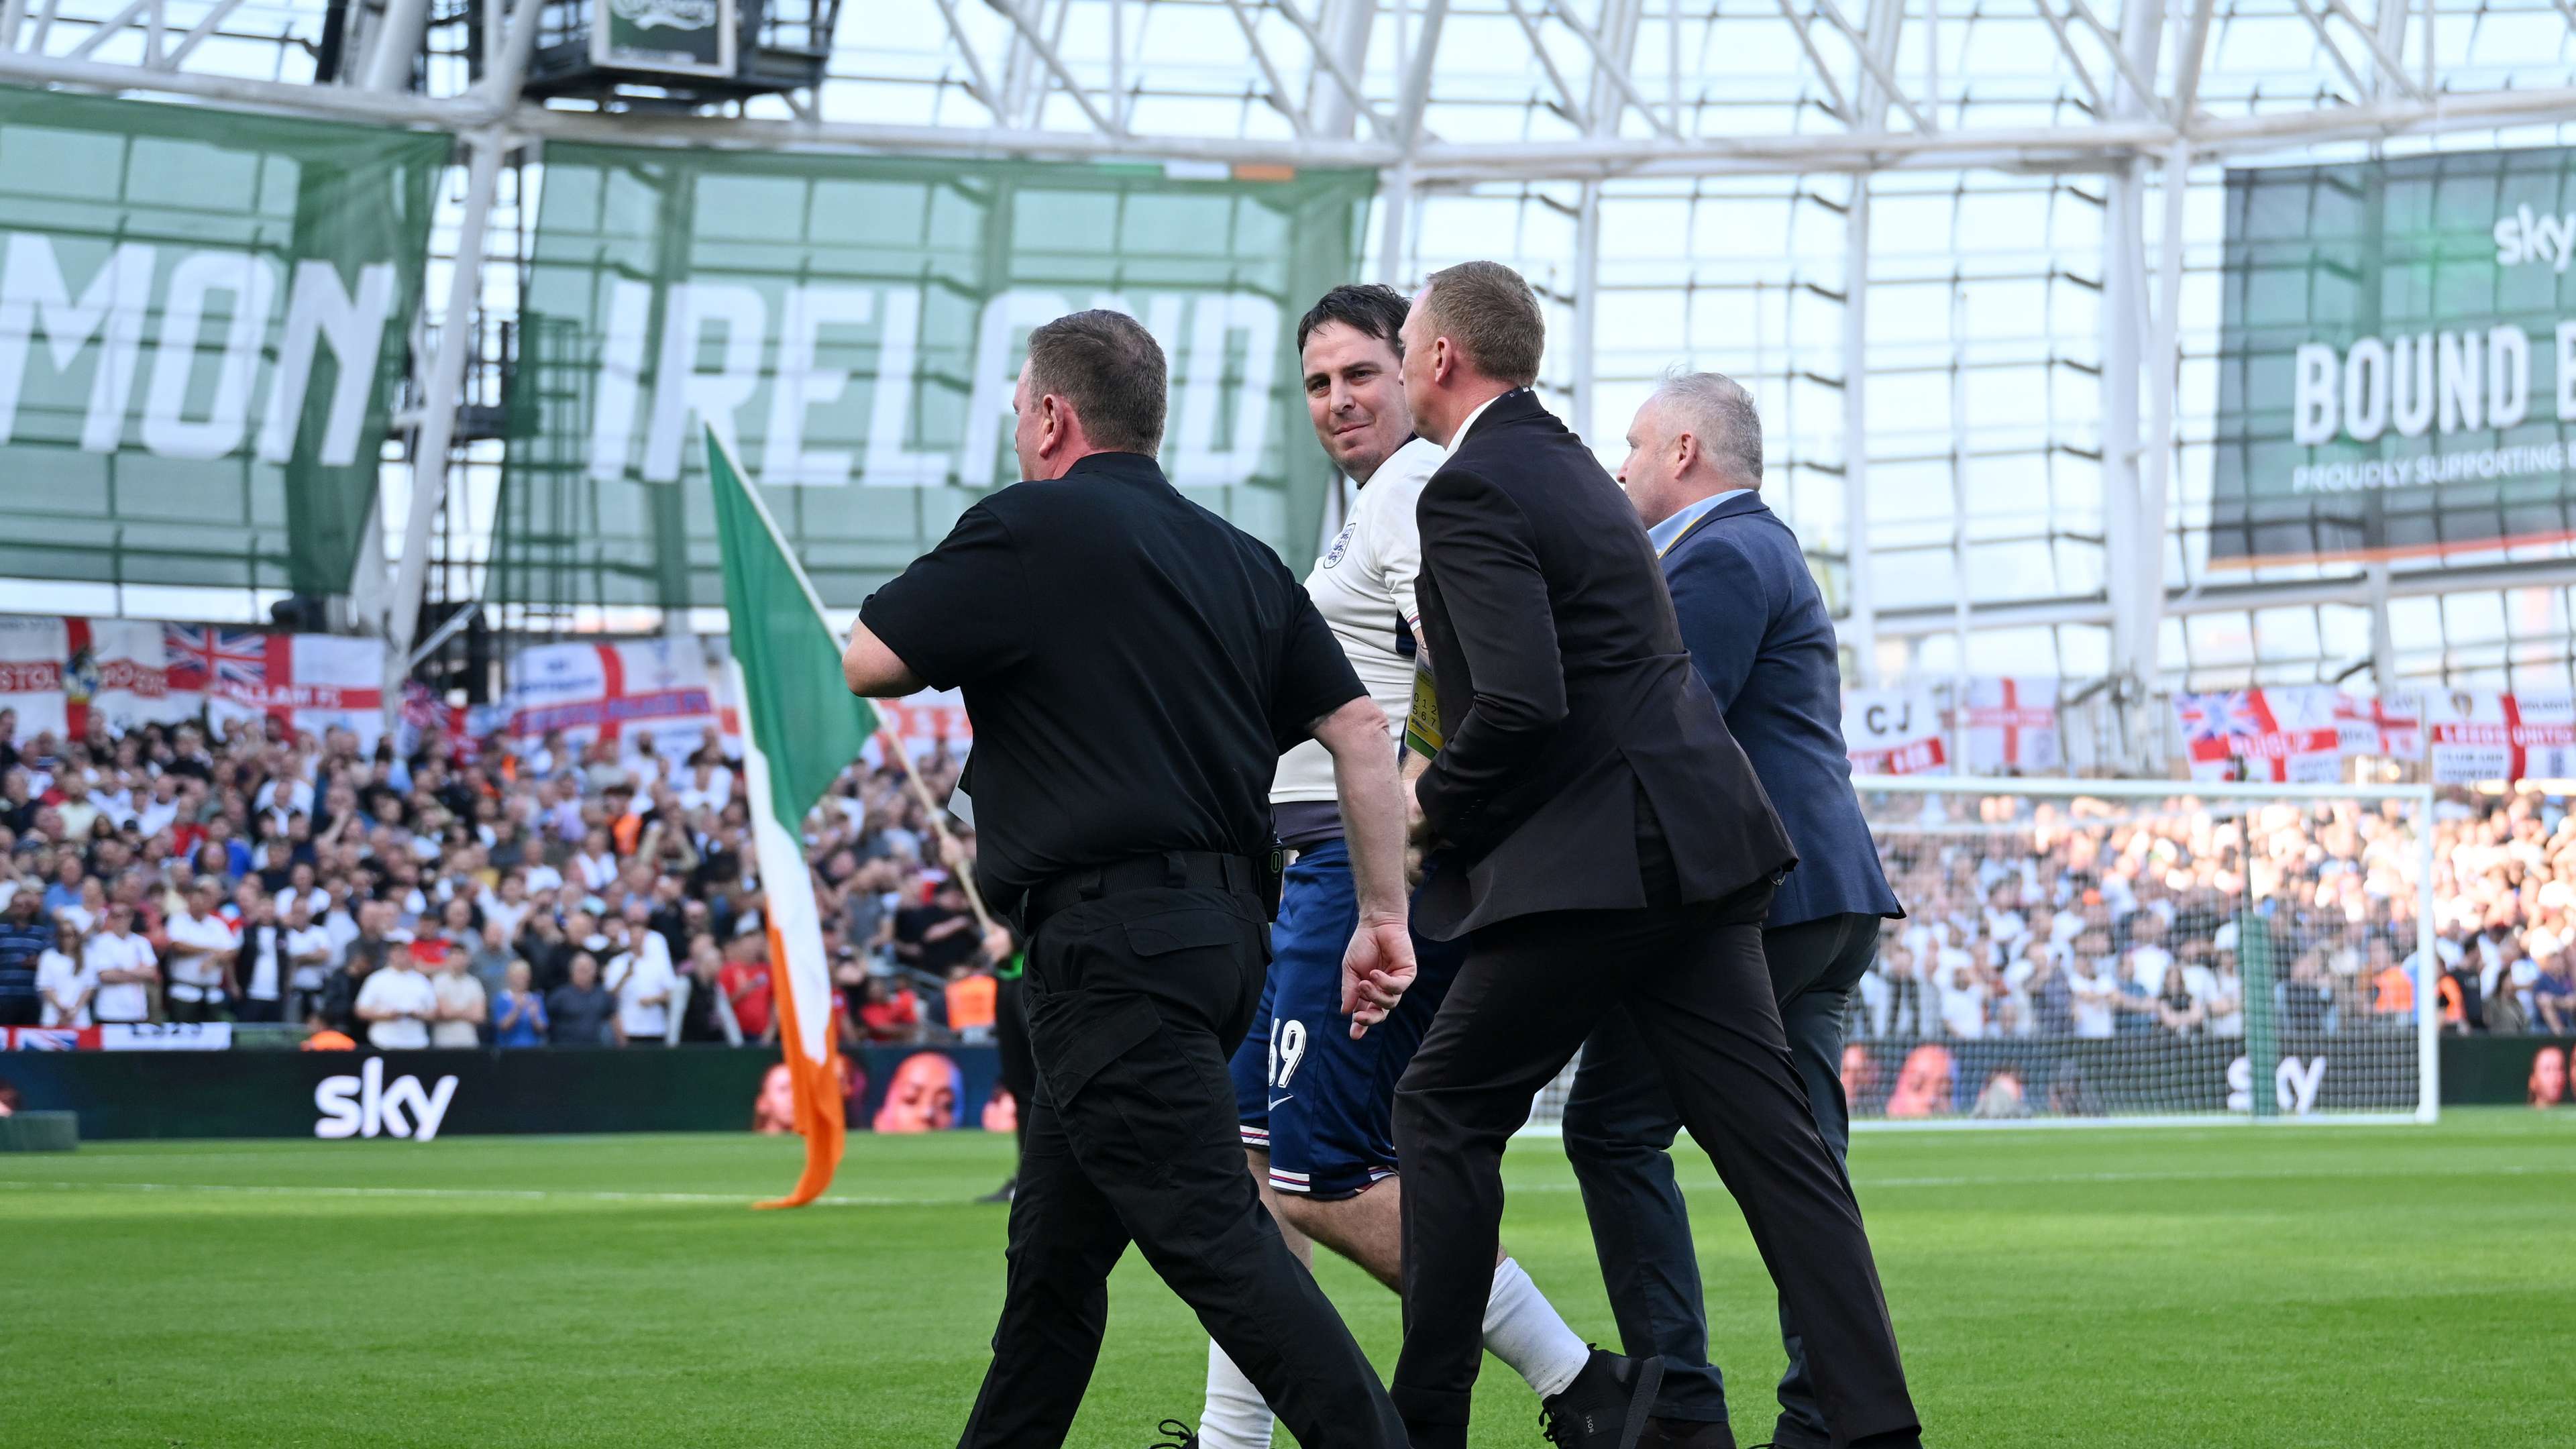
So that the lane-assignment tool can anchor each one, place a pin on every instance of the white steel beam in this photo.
(1341, 37)
(197, 33)
(1344, 71)
(1610, 63)
(438, 416)
(105, 30)
(1269, 73)
(1575, 110)
(1860, 624)
(978, 84)
(1045, 51)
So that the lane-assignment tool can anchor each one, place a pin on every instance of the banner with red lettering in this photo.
(2472, 736)
(2287, 736)
(306, 683)
(657, 687)
(117, 673)
(1894, 732)
(2012, 727)
(928, 720)
(32, 651)
(2389, 729)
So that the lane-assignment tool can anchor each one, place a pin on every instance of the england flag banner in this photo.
(309, 683)
(655, 687)
(2471, 736)
(2287, 736)
(117, 673)
(2384, 728)
(31, 675)
(926, 720)
(2012, 727)
(1894, 732)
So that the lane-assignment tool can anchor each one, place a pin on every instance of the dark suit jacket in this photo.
(1566, 699)
(1761, 640)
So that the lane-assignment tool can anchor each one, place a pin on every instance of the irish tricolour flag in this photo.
(802, 727)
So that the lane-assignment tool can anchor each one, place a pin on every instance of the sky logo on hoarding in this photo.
(366, 1105)
(2524, 238)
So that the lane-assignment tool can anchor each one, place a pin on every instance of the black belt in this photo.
(1171, 870)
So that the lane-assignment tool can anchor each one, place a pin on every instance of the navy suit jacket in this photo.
(1758, 634)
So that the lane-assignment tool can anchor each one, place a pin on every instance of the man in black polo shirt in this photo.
(1134, 666)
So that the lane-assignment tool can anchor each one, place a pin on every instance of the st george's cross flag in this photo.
(802, 728)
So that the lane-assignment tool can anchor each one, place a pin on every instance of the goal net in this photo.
(2103, 951)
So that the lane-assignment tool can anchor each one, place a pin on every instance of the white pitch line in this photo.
(483, 1193)
(2063, 1178)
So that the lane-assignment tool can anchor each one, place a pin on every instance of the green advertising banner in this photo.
(2397, 365)
(202, 320)
(856, 325)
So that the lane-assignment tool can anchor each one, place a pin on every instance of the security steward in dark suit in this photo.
(1134, 666)
(1762, 642)
(1605, 844)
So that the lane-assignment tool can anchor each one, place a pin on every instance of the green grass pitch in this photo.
(2272, 1287)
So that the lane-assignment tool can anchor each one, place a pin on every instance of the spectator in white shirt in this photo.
(2096, 988)
(462, 1004)
(707, 786)
(125, 968)
(596, 867)
(161, 810)
(642, 977)
(1965, 993)
(397, 1003)
(65, 982)
(202, 946)
(2147, 956)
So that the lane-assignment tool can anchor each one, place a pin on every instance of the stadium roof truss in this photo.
(1565, 109)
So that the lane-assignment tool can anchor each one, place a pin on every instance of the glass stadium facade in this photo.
(1968, 255)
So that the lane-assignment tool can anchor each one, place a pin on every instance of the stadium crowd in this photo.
(450, 895)
(2130, 918)
(445, 895)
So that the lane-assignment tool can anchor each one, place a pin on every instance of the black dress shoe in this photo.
(1003, 1193)
(1606, 1405)
(1183, 1436)
(1688, 1434)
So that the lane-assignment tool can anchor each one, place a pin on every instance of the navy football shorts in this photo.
(1320, 1103)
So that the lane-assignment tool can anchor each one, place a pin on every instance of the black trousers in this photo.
(1619, 1128)
(1699, 994)
(1135, 1001)
(1019, 1073)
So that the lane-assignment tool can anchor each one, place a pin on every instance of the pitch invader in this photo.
(1317, 1103)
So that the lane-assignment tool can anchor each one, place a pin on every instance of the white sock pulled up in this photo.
(1523, 1330)
(1235, 1416)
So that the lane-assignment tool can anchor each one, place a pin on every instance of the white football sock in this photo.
(1523, 1330)
(1235, 1416)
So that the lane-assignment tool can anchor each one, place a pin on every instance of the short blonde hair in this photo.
(1493, 316)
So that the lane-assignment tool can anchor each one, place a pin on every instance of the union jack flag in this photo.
(2218, 716)
(200, 656)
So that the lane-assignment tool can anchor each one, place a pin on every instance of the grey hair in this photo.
(1715, 409)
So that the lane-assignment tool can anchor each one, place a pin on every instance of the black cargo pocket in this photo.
(1184, 930)
(1074, 1036)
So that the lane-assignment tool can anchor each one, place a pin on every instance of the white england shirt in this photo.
(1364, 588)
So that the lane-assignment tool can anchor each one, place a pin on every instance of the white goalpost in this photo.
(2088, 952)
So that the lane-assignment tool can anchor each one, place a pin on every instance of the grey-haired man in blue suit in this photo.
(1758, 633)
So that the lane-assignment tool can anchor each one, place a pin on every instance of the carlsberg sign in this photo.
(2397, 359)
